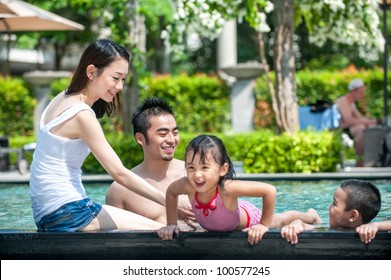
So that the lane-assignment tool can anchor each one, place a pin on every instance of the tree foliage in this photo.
(352, 22)
(349, 22)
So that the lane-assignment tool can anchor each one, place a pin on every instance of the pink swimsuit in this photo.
(213, 216)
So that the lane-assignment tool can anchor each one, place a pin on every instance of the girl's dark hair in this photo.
(101, 53)
(203, 144)
(364, 197)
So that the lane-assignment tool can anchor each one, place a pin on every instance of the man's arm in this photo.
(359, 118)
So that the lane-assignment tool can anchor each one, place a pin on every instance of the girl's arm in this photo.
(238, 188)
(175, 189)
(90, 131)
(255, 189)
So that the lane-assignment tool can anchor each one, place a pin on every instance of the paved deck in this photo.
(364, 173)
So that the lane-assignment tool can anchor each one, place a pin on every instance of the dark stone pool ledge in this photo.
(145, 245)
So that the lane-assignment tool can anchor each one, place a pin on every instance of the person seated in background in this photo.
(355, 204)
(352, 121)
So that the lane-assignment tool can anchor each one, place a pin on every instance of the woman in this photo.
(69, 130)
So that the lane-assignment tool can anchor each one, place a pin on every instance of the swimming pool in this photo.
(16, 212)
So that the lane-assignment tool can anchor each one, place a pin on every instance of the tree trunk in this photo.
(270, 84)
(284, 65)
(137, 34)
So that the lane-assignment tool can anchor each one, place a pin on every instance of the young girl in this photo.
(214, 194)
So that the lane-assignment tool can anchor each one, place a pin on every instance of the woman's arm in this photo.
(92, 134)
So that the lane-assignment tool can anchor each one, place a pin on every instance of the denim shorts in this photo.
(71, 216)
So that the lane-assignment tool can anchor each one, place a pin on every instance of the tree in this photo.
(351, 22)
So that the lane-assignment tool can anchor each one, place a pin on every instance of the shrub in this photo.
(264, 152)
(16, 107)
(206, 98)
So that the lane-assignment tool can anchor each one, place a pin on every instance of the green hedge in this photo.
(16, 107)
(19, 142)
(260, 152)
(206, 98)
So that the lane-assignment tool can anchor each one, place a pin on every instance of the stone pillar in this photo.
(242, 94)
(242, 105)
(41, 81)
(240, 76)
(226, 46)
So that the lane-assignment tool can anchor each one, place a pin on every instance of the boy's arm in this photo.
(384, 225)
(367, 232)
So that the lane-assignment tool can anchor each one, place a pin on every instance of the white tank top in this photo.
(55, 177)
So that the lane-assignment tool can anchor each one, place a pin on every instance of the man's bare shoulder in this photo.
(178, 163)
(340, 100)
(137, 169)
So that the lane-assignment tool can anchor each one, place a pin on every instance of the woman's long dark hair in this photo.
(203, 144)
(101, 53)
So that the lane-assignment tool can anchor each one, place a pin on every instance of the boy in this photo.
(355, 203)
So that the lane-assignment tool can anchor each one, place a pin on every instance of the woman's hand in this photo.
(167, 232)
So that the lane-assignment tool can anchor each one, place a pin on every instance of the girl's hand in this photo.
(255, 233)
(166, 233)
(367, 232)
(291, 231)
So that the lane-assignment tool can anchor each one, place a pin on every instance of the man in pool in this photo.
(155, 129)
(355, 203)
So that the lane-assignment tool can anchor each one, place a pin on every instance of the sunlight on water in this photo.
(16, 212)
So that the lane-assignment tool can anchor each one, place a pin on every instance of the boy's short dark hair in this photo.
(150, 107)
(364, 197)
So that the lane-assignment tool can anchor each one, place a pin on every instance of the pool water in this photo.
(16, 212)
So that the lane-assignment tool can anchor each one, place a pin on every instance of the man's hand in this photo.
(185, 213)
